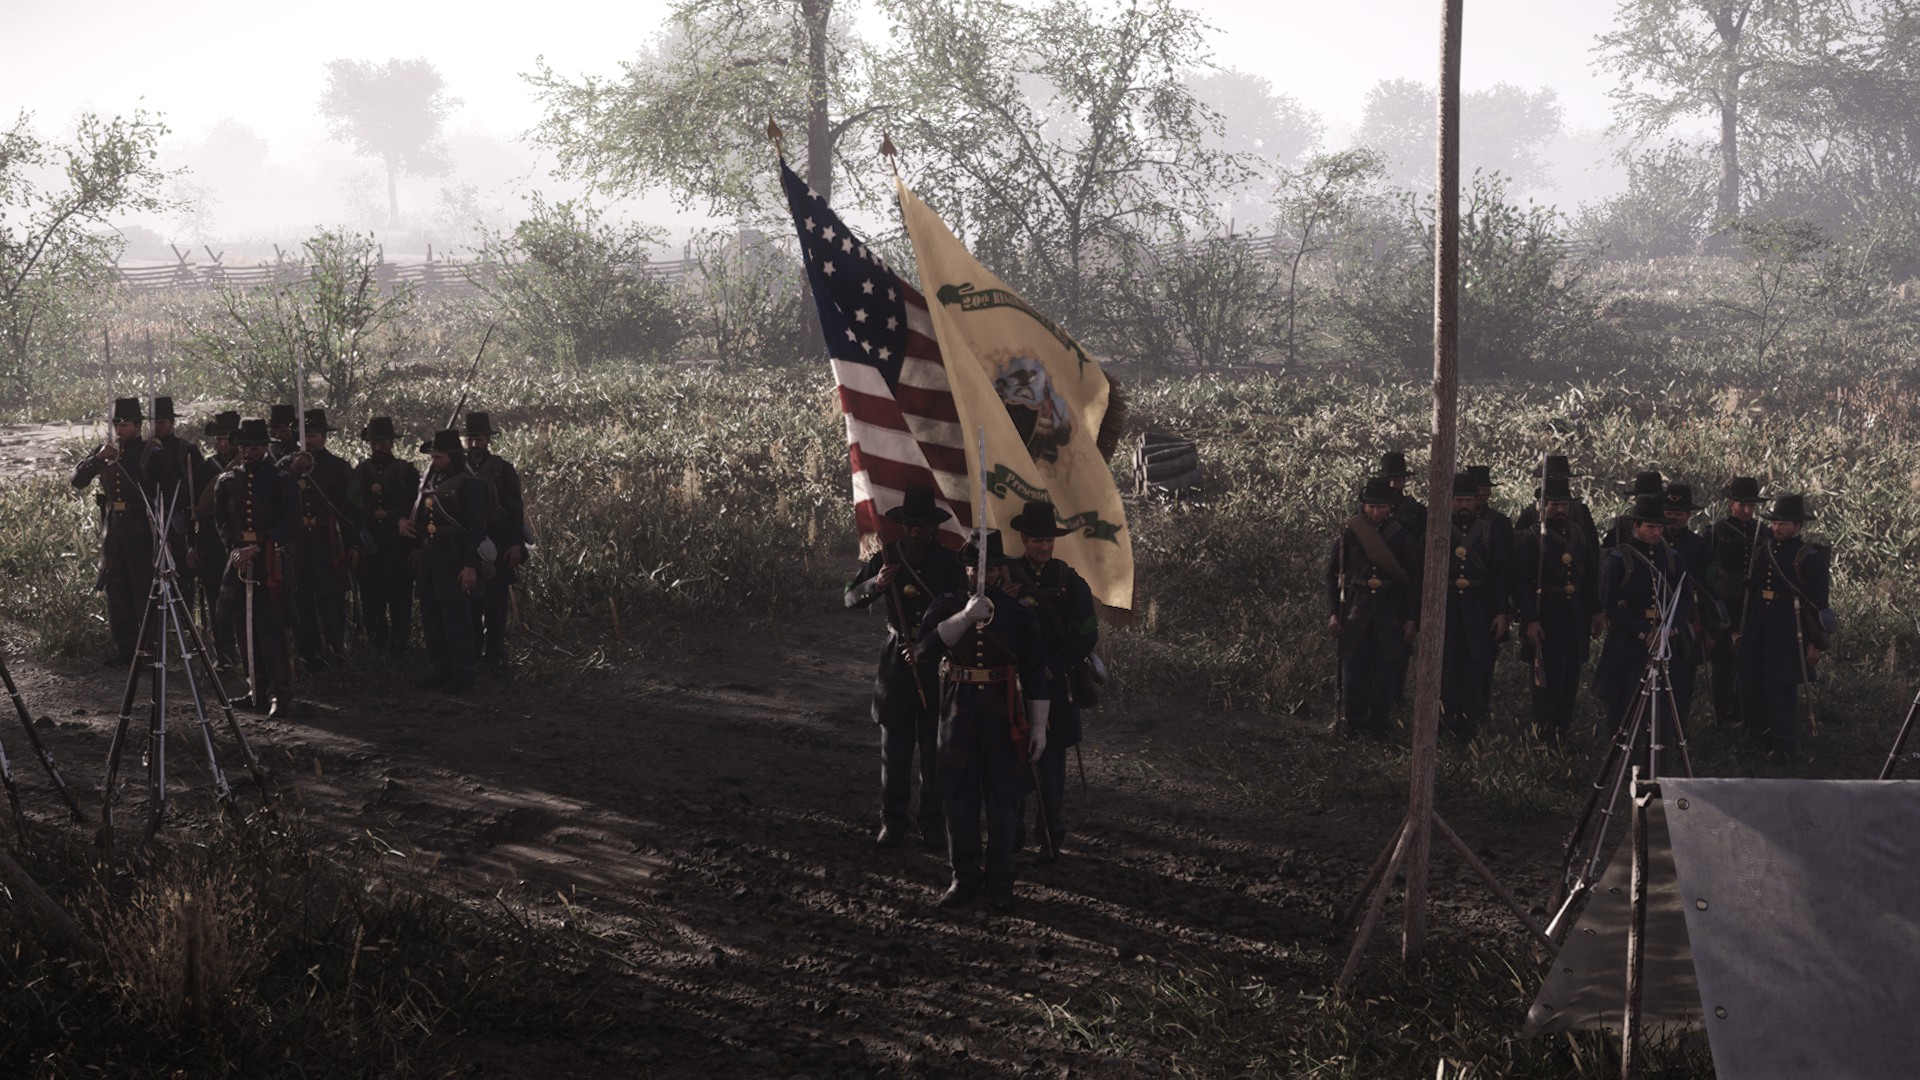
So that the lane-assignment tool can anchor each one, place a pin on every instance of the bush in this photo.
(745, 299)
(1666, 210)
(568, 285)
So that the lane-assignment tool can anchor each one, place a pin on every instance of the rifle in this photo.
(1339, 677)
(898, 609)
(1540, 570)
(466, 387)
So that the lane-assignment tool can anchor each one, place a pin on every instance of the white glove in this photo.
(977, 611)
(1037, 728)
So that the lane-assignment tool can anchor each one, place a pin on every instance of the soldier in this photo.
(1786, 627)
(282, 428)
(1410, 512)
(1373, 591)
(208, 556)
(990, 649)
(1069, 631)
(451, 522)
(1556, 588)
(1703, 581)
(318, 556)
(1476, 611)
(907, 575)
(508, 531)
(383, 487)
(1735, 539)
(183, 462)
(132, 473)
(1578, 511)
(1637, 577)
(257, 510)
(1501, 567)
(1620, 529)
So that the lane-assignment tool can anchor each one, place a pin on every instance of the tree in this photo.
(57, 247)
(691, 112)
(392, 111)
(1503, 130)
(1680, 58)
(1268, 129)
(1055, 137)
(1312, 204)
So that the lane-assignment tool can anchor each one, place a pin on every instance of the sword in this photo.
(980, 521)
(253, 685)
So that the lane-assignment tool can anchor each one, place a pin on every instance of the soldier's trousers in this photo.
(1771, 705)
(901, 733)
(1685, 673)
(273, 673)
(126, 586)
(1463, 691)
(319, 599)
(1726, 681)
(1372, 664)
(386, 599)
(490, 617)
(448, 628)
(1052, 768)
(978, 773)
(1556, 693)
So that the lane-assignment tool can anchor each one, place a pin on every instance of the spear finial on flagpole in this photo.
(779, 144)
(888, 151)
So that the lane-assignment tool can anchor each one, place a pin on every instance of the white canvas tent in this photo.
(1781, 915)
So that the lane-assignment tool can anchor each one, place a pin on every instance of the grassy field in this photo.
(664, 494)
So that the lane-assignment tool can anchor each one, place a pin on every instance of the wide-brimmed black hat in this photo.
(1645, 483)
(917, 507)
(379, 429)
(317, 421)
(1557, 487)
(1393, 465)
(479, 424)
(1680, 497)
(996, 552)
(282, 416)
(223, 423)
(1038, 520)
(1788, 508)
(1378, 489)
(1652, 508)
(163, 408)
(126, 410)
(251, 432)
(1482, 475)
(446, 441)
(1742, 489)
(1465, 484)
(1557, 465)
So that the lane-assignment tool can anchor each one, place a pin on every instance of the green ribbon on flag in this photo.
(1002, 480)
(967, 298)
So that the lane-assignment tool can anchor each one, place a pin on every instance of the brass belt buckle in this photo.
(379, 515)
(1569, 589)
(249, 537)
(1461, 583)
(119, 506)
(1374, 583)
(1766, 594)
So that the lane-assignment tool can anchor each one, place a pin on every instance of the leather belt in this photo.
(973, 676)
(119, 507)
(1766, 594)
(249, 537)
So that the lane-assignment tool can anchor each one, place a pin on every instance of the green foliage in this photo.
(1216, 296)
(1523, 300)
(330, 316)
(57, 247)
(572, 286)
(50, 554)
(1313, 205)
(1666, 210)
(747, 300)
(392, 111)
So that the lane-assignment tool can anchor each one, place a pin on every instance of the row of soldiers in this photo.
(985, 679)
(269, 535)
(1748, 594)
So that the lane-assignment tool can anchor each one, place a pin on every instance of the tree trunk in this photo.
(1727, 206)
(817, 14)
(393, 194)
(1440, 460)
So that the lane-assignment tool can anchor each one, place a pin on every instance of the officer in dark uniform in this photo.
(1410, 512)
(1502, 568)
(993, 722)
(257, 511)
(383, 488)
(1070, 631)
(1556, 587)
(1373, 607)
(451, 522)
(1735, 539)
(1703, 581)
(132, 472)
(507, 530)
(905, 577)
(283, 429)
(1787, 624)
(1637, 577)
(1476, 611)
(1620, 529)
(208, 556)
(1578, 512)
(183, 463)
(319, 555)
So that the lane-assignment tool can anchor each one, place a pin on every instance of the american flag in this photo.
(902, 427)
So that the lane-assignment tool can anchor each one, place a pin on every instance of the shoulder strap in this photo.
(1376, 548)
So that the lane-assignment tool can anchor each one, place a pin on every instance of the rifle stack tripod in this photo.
(1636, 748)
(169, 617)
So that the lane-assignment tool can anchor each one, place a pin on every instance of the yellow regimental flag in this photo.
(1041, 399)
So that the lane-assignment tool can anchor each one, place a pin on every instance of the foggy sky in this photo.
(200, 62)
